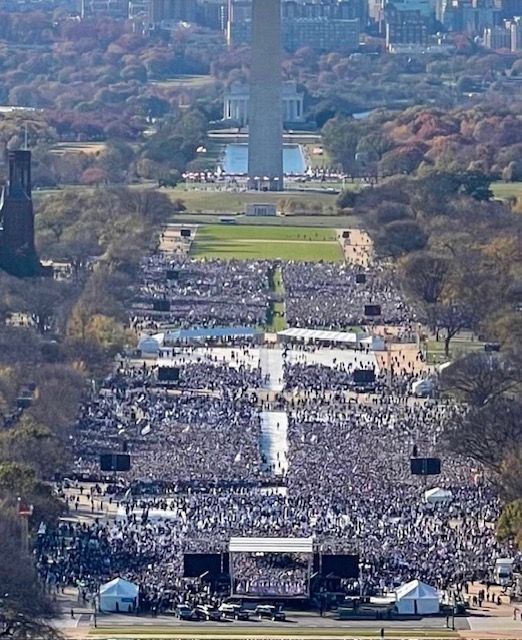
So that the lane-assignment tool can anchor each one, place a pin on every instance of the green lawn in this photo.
(267, 250)
(507, 189)
(229, 202)
(278, 320)
(252, 232)
(277, 316)
(266, 243)
(278, 283)
(435, 350)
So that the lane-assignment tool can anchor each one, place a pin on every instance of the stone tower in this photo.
(265, 141)
(17, 206)
(17, 250)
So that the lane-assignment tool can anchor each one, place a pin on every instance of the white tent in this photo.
(119, 595)
(437, 495)
(417, 598)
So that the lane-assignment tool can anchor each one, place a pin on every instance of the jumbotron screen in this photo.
(285, 575)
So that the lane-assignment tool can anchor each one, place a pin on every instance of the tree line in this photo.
(56, 338)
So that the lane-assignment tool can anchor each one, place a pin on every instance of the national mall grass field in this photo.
(266, 243)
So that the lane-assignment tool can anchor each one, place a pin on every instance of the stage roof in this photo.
(211, 332)
(320, 335)
(271, 545)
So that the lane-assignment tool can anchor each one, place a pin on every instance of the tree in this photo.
(479, 378)
(426, 275)
(58, 392)
(20, 481)
(513, 172)
(507, 328)
(30, 443)
(401, 160)
(452, 318)
(43, 300)
(475, 184)
(23, 603)
(489, 433)
(23, 626)
(340, 139)
(94, 176)
(400, 237)
(509, 526)
(346, 199)
(107, 332)
(511, 475)
(390, 212)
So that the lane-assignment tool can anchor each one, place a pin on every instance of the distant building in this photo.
(17, 249)
(515, 27)
(237, 98)
(498, 37)
(111, 8)
(422, 8)
(511, 8)
(211, 14)
(330, 9)
(470, 16)
(406, 28)
(326, 26)
(323, 34)
(176, 10)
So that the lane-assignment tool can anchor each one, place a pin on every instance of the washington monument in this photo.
(265, 143)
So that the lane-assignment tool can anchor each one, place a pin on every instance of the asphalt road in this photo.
(294, 620)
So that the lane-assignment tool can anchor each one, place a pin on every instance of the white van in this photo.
(504, 571)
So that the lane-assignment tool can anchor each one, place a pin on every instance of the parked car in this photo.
(234, 612)
(268, 611)
(206, 612)
(184, 612)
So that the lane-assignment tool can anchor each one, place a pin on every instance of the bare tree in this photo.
(24, 608)
(488, 434)
(478, 378)
(19, 626)
(426, 275)
(451, 318)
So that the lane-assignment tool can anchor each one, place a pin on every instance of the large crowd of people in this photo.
(269, 574)
(201, 293)
(348, 484)
(334, 296)
(320, 377)
(175, 436)
(193, 293)
(197, 447)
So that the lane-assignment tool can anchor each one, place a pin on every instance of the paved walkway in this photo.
(357, 248)
(271, 363)
(233, 357)
(495, 624)
(274, 441)
(333, 357)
